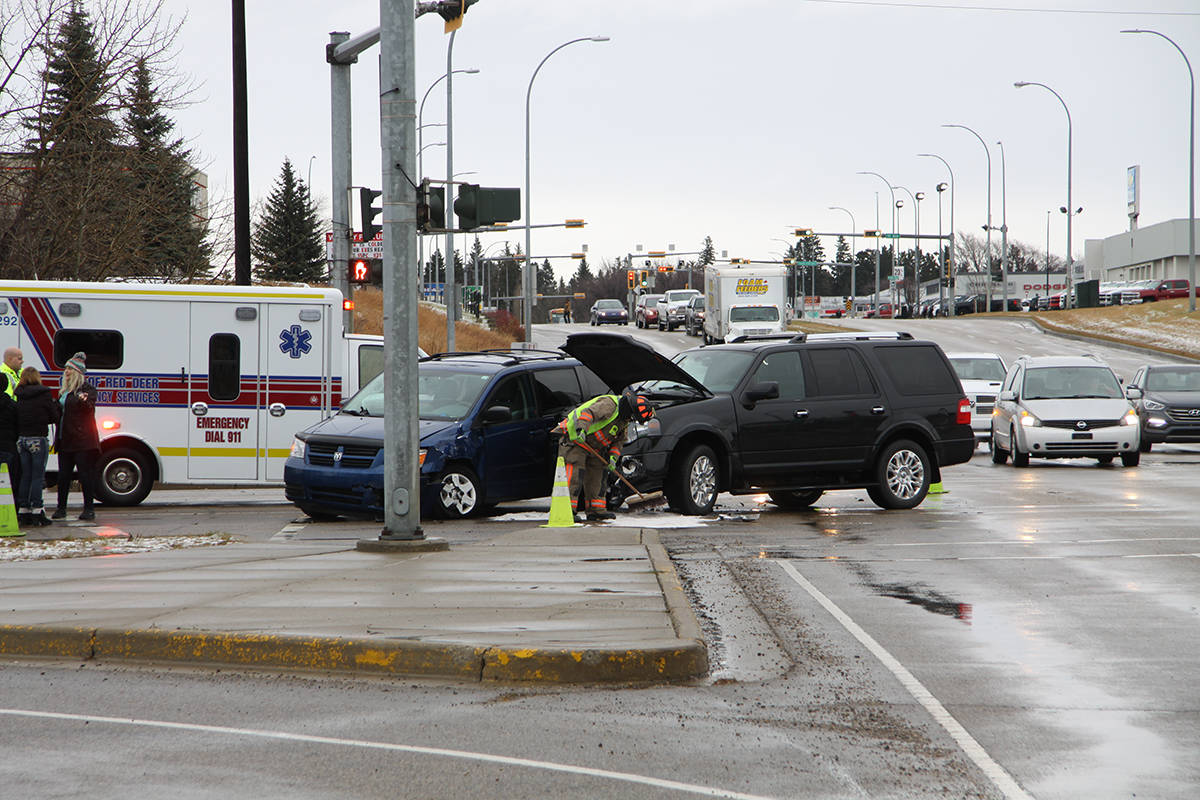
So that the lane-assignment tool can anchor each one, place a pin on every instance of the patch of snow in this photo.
(21, 550)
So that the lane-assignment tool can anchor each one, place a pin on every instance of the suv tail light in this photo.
(964, 412)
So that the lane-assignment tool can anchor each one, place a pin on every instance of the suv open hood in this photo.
(620, 360)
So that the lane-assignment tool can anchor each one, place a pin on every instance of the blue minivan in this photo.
(485, 428)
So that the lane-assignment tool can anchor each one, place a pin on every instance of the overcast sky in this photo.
(736, 119)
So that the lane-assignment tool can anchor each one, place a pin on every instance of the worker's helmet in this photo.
(638, 407)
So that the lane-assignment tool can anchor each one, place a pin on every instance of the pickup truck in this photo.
(1152, 290)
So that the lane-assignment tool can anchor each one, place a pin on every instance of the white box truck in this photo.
(197, 384)
(744, 300)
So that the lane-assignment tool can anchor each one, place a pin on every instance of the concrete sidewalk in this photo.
(578, 605)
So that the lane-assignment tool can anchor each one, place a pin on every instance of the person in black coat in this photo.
(37, 410)
(8, 438)
(78, 441)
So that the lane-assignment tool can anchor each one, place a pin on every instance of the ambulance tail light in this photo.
(110, 425)
(347, 305)
(964, 412)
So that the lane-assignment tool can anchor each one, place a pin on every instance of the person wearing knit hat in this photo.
(78, 441)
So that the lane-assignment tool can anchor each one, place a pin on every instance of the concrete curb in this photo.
(676, 660)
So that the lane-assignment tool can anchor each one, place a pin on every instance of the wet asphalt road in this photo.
(1050, 612)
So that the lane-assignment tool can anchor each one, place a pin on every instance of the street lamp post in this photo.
(450, 288)
(1191, 169)
(944, 272)
(1071, 301)
(916, 198)
(988, 285)
(1003, 227)
(893, 194)
(941, 187)
(1048, 213)
(853, 260)
(420, 148)
(530, 270)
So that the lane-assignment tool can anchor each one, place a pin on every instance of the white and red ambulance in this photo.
(197, 384)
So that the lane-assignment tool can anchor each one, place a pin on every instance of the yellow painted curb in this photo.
(670, 661)
(47, 642)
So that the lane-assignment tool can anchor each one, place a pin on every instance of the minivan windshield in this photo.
(1062, 383)
(978, 369)
(443, 394)
(754, 314)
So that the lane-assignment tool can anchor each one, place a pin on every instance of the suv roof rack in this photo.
(509, 356)
(861, 336)
(767, 337)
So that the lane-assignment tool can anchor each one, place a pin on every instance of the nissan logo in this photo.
(1081, 425)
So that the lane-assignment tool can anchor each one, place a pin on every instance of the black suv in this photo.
(793, 416)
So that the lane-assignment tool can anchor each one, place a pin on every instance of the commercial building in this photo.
(1154, 252)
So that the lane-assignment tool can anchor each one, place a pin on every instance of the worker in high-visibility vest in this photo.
(600, 424)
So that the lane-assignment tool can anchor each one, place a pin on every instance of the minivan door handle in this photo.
(877, 410)
(800, 413)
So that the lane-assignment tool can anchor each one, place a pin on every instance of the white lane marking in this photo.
(288, 532)
(995, 773)
(643, 780)
(1042, 542)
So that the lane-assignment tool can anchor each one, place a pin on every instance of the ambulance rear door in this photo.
(298, 388)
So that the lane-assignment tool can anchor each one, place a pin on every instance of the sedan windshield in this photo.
(754, 314)
(1060, 383)
(1173, 379)
(978, 369)
(717, 370)
(442, 394)
(605, 305)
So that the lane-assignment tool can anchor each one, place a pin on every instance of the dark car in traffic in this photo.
(485, 436)
(645, 312)
(793, 416)
(1169, 406)
(609, 311)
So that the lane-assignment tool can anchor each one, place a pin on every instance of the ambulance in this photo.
(197, 384)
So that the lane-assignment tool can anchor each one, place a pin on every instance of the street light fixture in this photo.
(893, 194)
(988, 152)
(530, 269)
(940, 246)
(1191, 168)
(853, 255)
(1003, 226)
(1070, 258)
(916, 240)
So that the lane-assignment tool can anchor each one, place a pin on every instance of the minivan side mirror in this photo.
(765, 390)
(497, 414)
(1008, 395)
(1133, 393)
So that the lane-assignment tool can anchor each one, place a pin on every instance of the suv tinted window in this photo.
(784, 368)
(557, 391)
(918, 370)
(839, 372)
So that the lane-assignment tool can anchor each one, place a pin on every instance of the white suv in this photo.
(981, 375)
(1064, 407)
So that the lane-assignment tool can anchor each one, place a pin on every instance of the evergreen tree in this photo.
(73, 220)
(288, 243)
(581, 281)
(708, 253)
(545, 278)
(173, 238)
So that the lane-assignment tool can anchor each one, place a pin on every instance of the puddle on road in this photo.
(926, 598)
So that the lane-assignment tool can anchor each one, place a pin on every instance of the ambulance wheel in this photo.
(125, 477)
(459, 493)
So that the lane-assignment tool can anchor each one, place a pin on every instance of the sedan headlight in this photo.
(1130, 418)
(1029, 420)
(298, 448)
(1152, 405)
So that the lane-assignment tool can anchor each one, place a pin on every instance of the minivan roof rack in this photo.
(514, 355)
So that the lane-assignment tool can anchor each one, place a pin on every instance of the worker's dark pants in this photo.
(585, 473)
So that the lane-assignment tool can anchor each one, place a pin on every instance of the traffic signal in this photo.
(452, 11)
(431, 207)
(871, 234)
(359, 271)
(632, 278)
(804, 231)
(645, 277)
(478, 206)
(369, 211)
(666, 268)
(849, 302)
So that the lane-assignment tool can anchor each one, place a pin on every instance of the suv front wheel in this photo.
(903, 475)
(692, 489)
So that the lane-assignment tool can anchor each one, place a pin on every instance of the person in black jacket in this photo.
(78, 441)
(8, 438)
(37, 410)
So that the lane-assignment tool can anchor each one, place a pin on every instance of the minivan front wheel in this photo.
(903, 474)
(692, 487)
(459, 495)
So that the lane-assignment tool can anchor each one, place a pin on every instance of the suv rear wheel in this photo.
(903, 475)
(795, 499)
(692, 489)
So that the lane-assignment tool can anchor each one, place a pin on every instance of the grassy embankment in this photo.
(431, 325)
